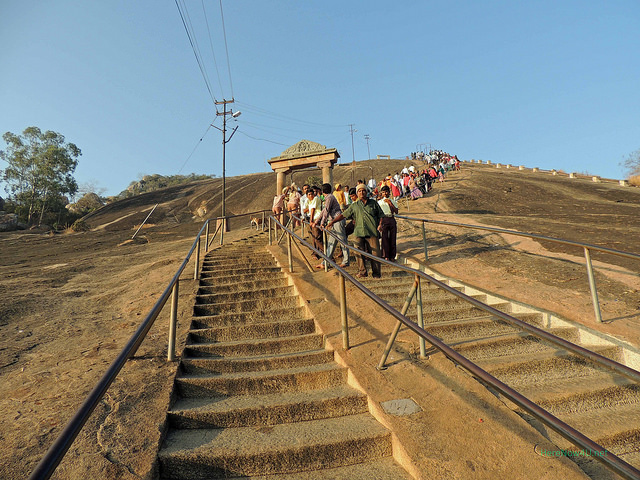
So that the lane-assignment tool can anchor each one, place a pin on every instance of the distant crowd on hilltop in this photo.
(365, 211)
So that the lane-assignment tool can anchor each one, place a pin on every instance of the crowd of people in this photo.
(365, 211)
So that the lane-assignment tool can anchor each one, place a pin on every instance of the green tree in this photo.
(40, 171)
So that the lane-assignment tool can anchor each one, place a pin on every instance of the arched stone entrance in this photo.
(304, 154)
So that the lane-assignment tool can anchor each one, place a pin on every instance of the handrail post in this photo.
(262, 226)
(325, 245)
(424, 242)
(197, 266)
(423, 348)
(222, 229)
(290, 257)
(394, 334)
(343, 314)
(206, 235)
(171, 354)
(592, 286)
(270, 230)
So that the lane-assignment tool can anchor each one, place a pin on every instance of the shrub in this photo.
(80, 226)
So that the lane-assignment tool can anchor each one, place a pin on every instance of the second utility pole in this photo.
(353, 153)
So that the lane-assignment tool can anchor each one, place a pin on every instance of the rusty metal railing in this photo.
(610, 460)
(587, 248)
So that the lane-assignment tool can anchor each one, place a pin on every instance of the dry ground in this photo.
(70, 302)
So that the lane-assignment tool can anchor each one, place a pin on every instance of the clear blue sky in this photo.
(552, 84)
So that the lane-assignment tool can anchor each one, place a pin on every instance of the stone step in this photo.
(230, 264)
(445, 302)
(286, 448)
(378, 469)
(241, 306)
(583, 394)
(526, 369)
(395, 296)
(454, 312)
(260, 363)
(216, 273)
(245, 332)
(270, 409)
(232, 278)
(203, 320)
(616, 428)
(273, 281)
(216, 296)
(312, 377)
(482, 327)
(514, 344)
(298, 343)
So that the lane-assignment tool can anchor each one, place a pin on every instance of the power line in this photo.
(262, 139)
(301, 130)
(194, 48)
(224, 31)
(276, 115)
(212, 51)
(194, 149)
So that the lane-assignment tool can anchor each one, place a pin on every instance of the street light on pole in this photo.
(224, 114)
(353, 153)
(367, 137)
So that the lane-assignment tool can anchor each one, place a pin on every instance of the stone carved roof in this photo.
(303, 146)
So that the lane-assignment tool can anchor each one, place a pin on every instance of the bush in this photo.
(80, 226)
(635, 180)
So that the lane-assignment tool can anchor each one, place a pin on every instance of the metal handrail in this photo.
(524, 234)
(56, 452)
(585, 246)
(610, 460)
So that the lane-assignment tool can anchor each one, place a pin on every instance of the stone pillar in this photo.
(281, 176)
(327, 172)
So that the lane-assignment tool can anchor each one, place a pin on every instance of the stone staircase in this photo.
(597, 402)
(257, 395)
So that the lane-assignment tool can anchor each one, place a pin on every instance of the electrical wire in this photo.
(272, 127)
(224, 31)
(215, 62)
(261, 139)
(194, 149)
(291, 119)
(193, 43)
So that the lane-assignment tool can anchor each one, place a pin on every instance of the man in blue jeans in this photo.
(367, 216)
(330, 211)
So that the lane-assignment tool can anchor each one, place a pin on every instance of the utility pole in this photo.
(224, 114)
(367, 137)
(353, 154)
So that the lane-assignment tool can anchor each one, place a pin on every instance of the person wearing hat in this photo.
(367, 216)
